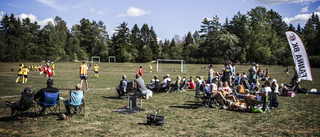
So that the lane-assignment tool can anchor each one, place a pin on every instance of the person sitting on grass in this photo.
(152, 85)
(190, 83)
(123, 86)
(176, 85)
(250, 99)
(67, 102)
(25, 102)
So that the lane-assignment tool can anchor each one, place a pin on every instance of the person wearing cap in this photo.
(83, 74)
(25, 102)
(41, 93)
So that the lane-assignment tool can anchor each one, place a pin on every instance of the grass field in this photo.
(298, 116)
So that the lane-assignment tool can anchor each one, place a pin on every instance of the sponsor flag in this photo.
(300, 56)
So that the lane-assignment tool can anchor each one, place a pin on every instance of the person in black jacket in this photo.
(25, 102)
(41, 94)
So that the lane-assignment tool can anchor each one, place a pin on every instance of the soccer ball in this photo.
(63, 117)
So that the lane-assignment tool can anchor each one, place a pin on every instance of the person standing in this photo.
(50, 70)
(210, 73)
(140, 71)
(25, 72)
(53, 66)
(96, 71)
(83, 74)
(150, 69)
(20, 74)
(287, 71)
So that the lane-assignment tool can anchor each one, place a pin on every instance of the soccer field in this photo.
(298, 116)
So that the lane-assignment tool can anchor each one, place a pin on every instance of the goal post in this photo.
(112, 59)
(95, 59)
(167, 65)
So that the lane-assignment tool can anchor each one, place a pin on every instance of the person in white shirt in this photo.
(249, 99)
(164, 82)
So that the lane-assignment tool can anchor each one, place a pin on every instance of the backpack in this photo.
(234, 107)
(240, 89)
(302, 90)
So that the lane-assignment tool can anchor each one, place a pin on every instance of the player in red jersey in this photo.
(45, 71)
(50, 72)
(140, 71)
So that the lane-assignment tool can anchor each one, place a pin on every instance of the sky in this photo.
(168, 17)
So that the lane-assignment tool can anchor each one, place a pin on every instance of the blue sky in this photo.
(168, 17)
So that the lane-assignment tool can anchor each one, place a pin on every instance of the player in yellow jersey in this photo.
(96, 71)
(150, 68)
(25, 72)
(53, 66)
(20, 74)
(83, 74)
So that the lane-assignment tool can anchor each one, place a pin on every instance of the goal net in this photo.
(168, 65)
(112, 59)
(95, 60)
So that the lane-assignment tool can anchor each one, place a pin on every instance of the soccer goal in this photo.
(112, 59)
(95, 60)
(169, 65)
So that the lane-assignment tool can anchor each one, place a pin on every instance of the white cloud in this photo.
(34, 18)
(300, 18)
(318, 9)
(270, 2)
(135, 12)
(158, 39)
(92, 10)
(103, 12)
(305, 9)
(54, 5)
(13, 5)
(1, 15)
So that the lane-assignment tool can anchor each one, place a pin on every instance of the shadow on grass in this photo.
(114, 97)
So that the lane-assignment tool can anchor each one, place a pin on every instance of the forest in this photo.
(256, 36)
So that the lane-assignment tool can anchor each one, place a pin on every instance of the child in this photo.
(140, 71)
(20, 74)
(237, 79)
(40, 69)
(50, 71)
(96, 69)
(53, 66)
(267, 74)
(150, 69)
(25, 72)
(36, 67)
(45, 71)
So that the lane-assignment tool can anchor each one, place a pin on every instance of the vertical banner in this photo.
(300, 56)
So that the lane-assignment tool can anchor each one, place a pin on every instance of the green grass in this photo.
(298, 116)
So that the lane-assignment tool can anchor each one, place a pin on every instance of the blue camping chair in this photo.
(51, 103)
(77, 102)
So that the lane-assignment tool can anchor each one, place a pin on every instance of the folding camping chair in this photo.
(129, 88)
(265, 102)
(22, 113)
(77, 102)
(51, 103)
(157, 87)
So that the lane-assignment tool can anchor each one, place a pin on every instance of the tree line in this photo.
(257, 36)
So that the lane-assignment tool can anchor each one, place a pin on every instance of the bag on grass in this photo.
(234, 107)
